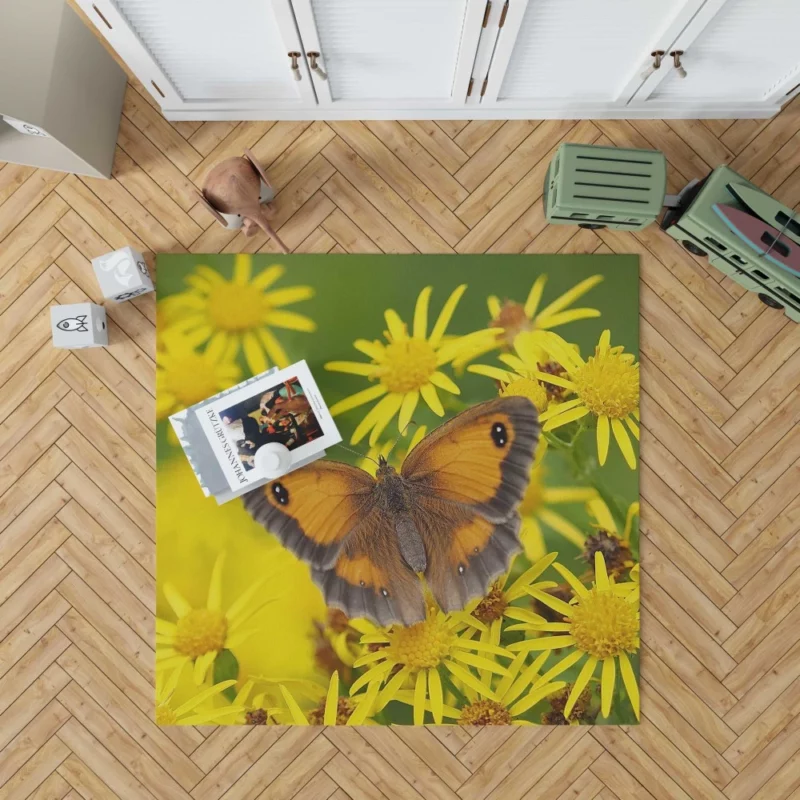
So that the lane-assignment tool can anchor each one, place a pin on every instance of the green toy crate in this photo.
(605, 187)
(695, 224)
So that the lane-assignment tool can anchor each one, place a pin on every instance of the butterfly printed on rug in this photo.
(450, 514)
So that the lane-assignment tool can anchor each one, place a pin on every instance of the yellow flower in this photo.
(509, 702)
(538, 508)
(509, 319)
(335, 710)
(240, 312)
(199, 634)
(601, 625)
(406, 368)
(616, 547)
(188, 713)
(418, 651)
(185, 376)
(606, 385)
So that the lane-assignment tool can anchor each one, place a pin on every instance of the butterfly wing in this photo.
(330, 515)
(468, 478)
(370, 578)
(313, 510)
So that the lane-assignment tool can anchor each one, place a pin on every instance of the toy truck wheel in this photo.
(769, 301)
(592, 226)
(693, 248)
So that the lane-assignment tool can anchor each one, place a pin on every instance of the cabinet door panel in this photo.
(403, 52)
(748, 51)
(565, 53)
(207, 53)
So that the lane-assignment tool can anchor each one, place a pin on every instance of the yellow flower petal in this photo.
(407, 409)
(494, 306)
(631, 423)
(563, 526)
(607, 681)
(289, 295)
(467, 678)
(298, 717)
(436, 696)
(215, 584)
(178, 603)
(535, 296)
(567, 416)
(242, 268)
(372, 349)
(587, 670)
(267, 277)
(201, 665)
(625, 446)
(535, 696)
(388, 406)
(446, 315)
(543, 643)
(570, 296)
(602, 439)
(421, 313)
(201, 697)
(420, 691)
(332, 700)
(358, 399)
(397, 328)
(570, 578)
(365, 704)
(430, 396)
(374, 674)
(600, 573)
(553, 602)
(480, 662)
(351, 368)
(391, 688)
(562, 666)
(516, 589)
(555, 320)
(443, 382)
(290, 320)
(491, 372)
(629, 680)
(254, 353)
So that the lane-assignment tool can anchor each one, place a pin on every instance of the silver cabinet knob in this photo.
(676, 61)
(295, 67)
(657, 55)
(312, 61)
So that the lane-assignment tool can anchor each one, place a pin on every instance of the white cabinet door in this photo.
(208, 54)
(734, 51)
(390, 54)
(575, 54)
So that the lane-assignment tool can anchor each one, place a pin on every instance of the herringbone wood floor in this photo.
(720, 470)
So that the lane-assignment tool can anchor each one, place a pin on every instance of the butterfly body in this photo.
(449, 515)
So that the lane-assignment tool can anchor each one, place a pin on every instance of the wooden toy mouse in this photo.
(236, 191)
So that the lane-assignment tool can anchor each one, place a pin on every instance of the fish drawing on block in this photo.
(77, 324)
(763, 238)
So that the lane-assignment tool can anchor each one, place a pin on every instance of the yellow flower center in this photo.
(608, 384)
(485, 712)
(527, 387)
(533, 499)
(235, 307)
(605, 624)
(513, 320)
(165, 715)
(421, 646)
(407, 365)
(200, 631)
(191, 379)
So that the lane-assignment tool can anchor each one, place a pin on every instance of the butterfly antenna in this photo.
(356, 453)
(402, 434)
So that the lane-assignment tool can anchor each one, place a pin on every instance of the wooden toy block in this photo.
(122, 274)
(79, 325)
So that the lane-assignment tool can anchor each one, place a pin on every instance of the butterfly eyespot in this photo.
(476, 551)
(460, 569)
(499, 434)
(384, 593)
(362, 583)
(280, 492)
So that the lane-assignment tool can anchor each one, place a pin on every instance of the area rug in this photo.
(499, 585)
